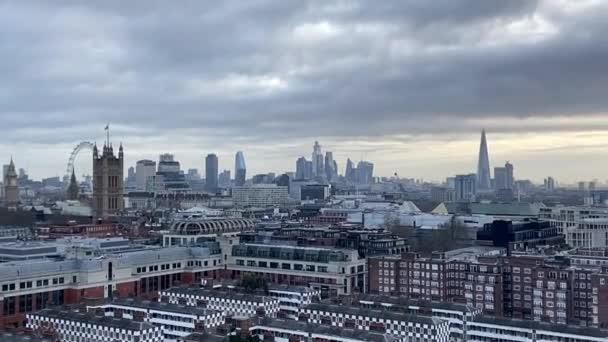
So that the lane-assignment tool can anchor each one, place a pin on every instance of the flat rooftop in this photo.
(88, 318)
(218, 293)
(310, 328)
(158, 306)
(386, 314)
(533, 325)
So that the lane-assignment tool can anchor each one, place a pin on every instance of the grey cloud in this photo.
(421, 67)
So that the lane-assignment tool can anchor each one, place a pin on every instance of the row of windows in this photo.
(24, 285)
(284, 266)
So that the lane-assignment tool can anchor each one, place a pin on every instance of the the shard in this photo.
(483, 165)
(240, 170)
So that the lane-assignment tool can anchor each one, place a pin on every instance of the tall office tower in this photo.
(302, 169)
(11, 189)
(317, 161)
(107, 181)
(211, 172)
(549, 184)
(144, 175)
(510, 179)
(224, 178)
(466, 187)
(483, 165)
(331, 171)
(365, 172)
(500, 178)
(240, 170)
(130, 182)
(349, 173)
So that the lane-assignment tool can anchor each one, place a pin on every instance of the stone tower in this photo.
(11, 189)
(73, 189)
(107, 181)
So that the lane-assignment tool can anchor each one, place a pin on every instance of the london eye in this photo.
(85, 145)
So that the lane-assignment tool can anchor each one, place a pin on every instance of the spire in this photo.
(483, 164)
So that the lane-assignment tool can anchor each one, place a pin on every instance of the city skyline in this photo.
(428, 78)
(191, 158)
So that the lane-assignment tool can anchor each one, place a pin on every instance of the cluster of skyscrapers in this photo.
(324, 168)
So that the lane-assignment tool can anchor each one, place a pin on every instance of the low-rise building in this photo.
(288, 330)
(77, 327)
(487, 329)
(231, 303)
(333, 271)
(260, 195)
(293, 298)
(407, 326)
(174, 320)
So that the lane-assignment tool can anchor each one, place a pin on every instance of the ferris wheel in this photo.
(85, 145)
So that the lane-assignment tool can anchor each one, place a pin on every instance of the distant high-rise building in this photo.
(331, 167)
(211, 171)
(483, 165)
(466, 187)
(283, 180)
(303, 169)
(224, 178)
(349, 172)
(73, 188)
(503, 177)
(11, 189)
(107, 181)
(549, 184)
(317, 161)
(144, 175)
(592, 185)
(500, 178)
(510, 179)
(364, 172)
(130, 181)
(240, 170)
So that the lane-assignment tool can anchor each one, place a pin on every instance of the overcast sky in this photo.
(406, 84)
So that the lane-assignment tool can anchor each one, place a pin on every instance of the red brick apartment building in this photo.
(525, 287)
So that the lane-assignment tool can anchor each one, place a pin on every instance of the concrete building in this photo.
(28, 286)
(466, 187)
(311, 192)
(211, 173)
(107, 182)
(293, 298)
(259, 195)
(405, 326)
(333, 271)
(78, 327)
(144, 175)
(230, 303)
(511, 330)
(175, 321)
